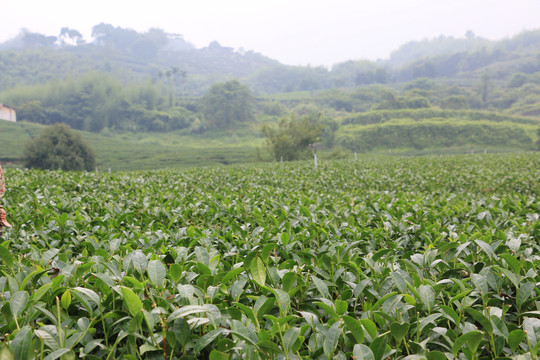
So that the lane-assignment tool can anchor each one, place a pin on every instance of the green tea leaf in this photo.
(532, 328)
(472, 339)
(269, 346)
(478, 316)
(427, 296)
(231, 274)
(247, 311)
(132, 301)
(399, 331)
(525, 291)
(289, 338)
(21, 345)
(450, 312)
(181, 331)
(487, 248)
(331, 339)
(5, 255)
(480, 283)
(18, 302)
(362, 352)
(400, 282)
(370, 327)
(499, 327)
(328, 309)
(341, 306)
(435, 355)
(378, 346)
(285, 239)
(258, 271)
(65, 300)
(512, 262)
(321, 286)
(515, 338)
(175, 272)
(218, 355)
(156, 272)
(56, 354)
(207, 339)
(355, 327)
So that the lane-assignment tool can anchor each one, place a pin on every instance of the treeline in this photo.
(451, 57)
(96, 102)
(131, 56)
(383, 116)
(519, 95)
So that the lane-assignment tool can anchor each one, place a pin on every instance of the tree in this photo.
(485, 88)
(227, 103)
(517, 80)
(292, 138)
(455, 102)
(70, 37)
(58, 147)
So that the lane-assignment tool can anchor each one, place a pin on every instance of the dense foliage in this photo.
(98, 101)
(228, 103)
(31, 57)
(435, 128)
(292, 138)
(433, 94)
(433, 257)
(57, 147)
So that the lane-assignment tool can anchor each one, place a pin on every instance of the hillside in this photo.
(447, 56)
(32, 58)
(430, 129)
(153, 100)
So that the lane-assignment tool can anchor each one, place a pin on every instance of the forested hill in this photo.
(451, 58)
(32, 58)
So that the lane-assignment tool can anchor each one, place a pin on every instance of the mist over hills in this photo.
(31, 58)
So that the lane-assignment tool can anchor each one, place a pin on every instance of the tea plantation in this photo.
(404, 258)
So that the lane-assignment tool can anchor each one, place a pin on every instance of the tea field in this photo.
(405, 258)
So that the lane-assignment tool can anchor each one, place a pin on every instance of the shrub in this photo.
(59, 147)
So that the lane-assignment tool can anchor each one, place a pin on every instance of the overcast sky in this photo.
(296, 32)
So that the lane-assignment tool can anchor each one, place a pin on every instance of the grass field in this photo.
(402, 132)
(431, 257)
(145, 151)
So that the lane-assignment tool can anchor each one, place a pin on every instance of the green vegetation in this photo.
(98, 101)
(159, 102)
(292, 139)
(225, 104)
(429, 257)
(435, 128)
(57, 147)
(129, 151)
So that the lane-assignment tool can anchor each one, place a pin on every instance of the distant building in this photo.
(7, 113)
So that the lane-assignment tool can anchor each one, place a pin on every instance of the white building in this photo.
(7, 113)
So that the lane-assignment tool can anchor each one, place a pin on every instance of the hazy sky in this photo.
(298, 32)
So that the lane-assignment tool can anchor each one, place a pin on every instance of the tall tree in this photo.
(227, 103)
(484, 88)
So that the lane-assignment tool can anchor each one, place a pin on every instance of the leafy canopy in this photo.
(292, 138)
(227, 103)
(59, 147)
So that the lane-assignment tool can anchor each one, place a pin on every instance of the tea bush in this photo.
(403, 258)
